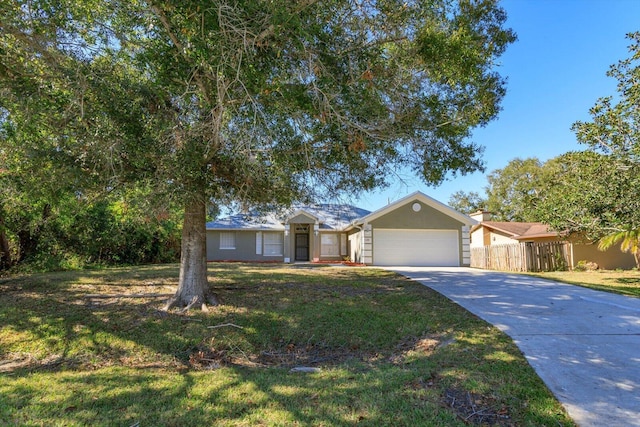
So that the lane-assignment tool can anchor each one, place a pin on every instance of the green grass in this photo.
(93, 348)
(623, 282)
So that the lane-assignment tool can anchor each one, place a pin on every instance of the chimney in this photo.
(481, 216)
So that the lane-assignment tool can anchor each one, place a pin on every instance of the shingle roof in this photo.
(521, 230)
(330, 217)
(334, 216)
(246, 222)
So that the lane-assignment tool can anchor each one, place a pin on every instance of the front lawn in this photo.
(624, 282)
(92, 348)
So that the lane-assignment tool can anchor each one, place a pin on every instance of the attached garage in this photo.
(414, 231)
(429, 248)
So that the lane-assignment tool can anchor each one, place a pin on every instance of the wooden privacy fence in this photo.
(529, 256)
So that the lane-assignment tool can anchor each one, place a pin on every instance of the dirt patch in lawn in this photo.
(476, 409)
(287, 357)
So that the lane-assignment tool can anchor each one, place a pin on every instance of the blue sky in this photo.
(556, 72)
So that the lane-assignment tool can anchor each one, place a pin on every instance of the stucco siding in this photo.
(407, 217)
(245, 247)
(428, 218)
(608, 260)
(301, 219)
(496, 238)
(477, 238)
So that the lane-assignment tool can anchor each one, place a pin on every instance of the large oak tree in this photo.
(255, 102)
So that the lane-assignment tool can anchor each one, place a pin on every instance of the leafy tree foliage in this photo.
(513, 190)
(52, 217)
(576, 195)
(615, 128)
(248, 101)
(467, 202)
(600, 197)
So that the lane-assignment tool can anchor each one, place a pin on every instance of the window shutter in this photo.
(259, 243)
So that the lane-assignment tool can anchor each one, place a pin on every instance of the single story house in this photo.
(416, 230)
(486, 233)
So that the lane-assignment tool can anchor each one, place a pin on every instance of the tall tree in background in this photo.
(609, 206)
(512, 193)
(578, 193)
(513, 190)
(252, 102)
(467, 202)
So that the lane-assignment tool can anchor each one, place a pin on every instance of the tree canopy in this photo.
(592, 194)
(511, 193)
(251, 102)
(467, 202)
(600, 198)
(512, 190)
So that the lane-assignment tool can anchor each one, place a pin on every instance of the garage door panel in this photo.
(437, 248)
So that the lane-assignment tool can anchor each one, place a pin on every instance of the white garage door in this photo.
(428, 248)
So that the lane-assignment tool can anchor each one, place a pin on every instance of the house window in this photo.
(227, 240)
(273, 244)
(330, 245)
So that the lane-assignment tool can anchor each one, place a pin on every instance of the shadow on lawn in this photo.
(628, 280)
(122, 361)
(381, 396)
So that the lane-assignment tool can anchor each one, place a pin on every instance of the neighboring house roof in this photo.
(329, 217)
(519, 230)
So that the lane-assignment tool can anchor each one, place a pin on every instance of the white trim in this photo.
(466, 245)
(429, 201)
(367, 244)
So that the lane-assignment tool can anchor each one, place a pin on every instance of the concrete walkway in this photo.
(584, 344)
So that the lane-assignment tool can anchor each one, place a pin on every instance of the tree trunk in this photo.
(5, 250)
(193, 288)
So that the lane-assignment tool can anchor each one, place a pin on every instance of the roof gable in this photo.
(301, 215)
(429, 201)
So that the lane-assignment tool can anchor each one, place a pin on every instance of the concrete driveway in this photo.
(584, 344)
